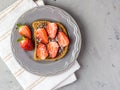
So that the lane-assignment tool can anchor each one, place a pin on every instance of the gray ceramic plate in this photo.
(25, 59)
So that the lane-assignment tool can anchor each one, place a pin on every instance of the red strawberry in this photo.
(52, 30)
(41, 34)
(42, 51)
(63, 39)
(26, 43)
(52, 49)
(24, 30)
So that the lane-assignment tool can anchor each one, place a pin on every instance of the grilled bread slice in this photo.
(43, 24)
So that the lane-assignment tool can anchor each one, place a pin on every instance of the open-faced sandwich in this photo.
(51, 40)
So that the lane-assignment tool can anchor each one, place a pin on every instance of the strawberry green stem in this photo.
(18, 26)
(20, 39)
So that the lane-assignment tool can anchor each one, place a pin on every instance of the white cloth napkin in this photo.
(28, 80)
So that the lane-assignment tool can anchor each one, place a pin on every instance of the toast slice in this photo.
(43, 23)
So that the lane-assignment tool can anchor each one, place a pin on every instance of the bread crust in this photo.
(35, 25)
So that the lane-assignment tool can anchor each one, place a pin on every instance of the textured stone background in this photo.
(99, 21)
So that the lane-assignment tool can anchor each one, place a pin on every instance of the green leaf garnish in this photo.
(20, 39)
(18, 26)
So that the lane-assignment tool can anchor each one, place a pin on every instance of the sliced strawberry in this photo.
(41, 34)
(52, 49)
(52, 29)
(26, 43)
(63, 39)
(24, 30)
(42, 51)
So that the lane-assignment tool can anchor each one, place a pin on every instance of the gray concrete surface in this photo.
(99, 21)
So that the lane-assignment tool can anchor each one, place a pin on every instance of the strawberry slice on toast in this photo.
(63, 39)
(41, 51)
(41, 34)
(52, 49)
(52, 30)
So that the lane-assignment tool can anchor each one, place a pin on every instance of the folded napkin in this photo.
(28, 80)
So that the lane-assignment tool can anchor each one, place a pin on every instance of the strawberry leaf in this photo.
(20, 39)
(18, 26)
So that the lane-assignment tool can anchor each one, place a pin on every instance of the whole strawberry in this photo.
(24, 30)
(26, 43)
